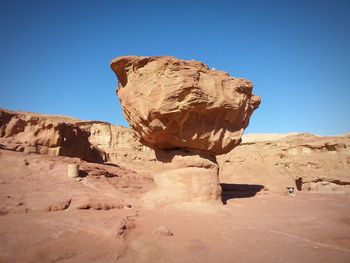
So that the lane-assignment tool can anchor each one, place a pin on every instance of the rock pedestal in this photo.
(185, 176)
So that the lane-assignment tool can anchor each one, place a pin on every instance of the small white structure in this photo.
(73, 170)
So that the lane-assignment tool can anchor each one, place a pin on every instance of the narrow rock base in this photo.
(183, 177)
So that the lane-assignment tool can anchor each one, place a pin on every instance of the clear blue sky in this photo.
(54, 55)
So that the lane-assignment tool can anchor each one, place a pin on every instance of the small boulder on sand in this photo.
(162, 231)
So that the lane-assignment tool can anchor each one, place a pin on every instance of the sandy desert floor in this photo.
(47, 217)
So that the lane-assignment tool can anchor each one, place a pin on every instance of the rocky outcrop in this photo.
(35, 133)
(94, 141)
(304, 161)
(188, 114)
(172, 103)
(119, 145)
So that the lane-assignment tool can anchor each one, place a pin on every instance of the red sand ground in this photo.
(100, 218)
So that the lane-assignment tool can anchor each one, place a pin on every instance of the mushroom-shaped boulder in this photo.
(187, 113)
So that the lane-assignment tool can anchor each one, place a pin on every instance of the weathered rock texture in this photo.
(94, 141)
(274, 162)
(35, 133)
(175, 104)
(119, 144)
(184, 176)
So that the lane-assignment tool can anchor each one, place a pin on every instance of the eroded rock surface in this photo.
(274, 162)
(51, 135)
(172, 103)
(183, 176)
(188, 114)
(94, 141)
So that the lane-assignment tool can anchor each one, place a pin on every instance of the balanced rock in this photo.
(173, 103)
(188, 114)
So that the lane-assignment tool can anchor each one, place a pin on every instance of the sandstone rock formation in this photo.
(173, 103)
(184, 176)
(119, 145)
(94, 141)
(188, 114)
(35, 133)
(307, 162)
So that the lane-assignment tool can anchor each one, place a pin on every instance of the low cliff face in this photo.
(42, 134)
(119, 145)
(304, 161)
(92, 141)
(51, 135)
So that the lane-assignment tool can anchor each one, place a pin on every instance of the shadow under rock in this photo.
(83, 173)
(231, 191)
(167, 155)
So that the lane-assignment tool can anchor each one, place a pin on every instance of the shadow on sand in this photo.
(231, 191)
